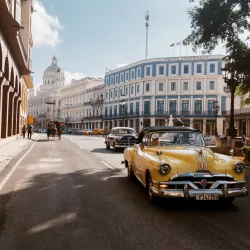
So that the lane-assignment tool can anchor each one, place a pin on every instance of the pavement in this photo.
(11, 149)
(74, 194)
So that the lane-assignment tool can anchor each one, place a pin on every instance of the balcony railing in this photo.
(97, 102)
(242, 111)
(163, 114)
(22, 46)
(93, 117)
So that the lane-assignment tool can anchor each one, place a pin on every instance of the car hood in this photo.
(190, 158)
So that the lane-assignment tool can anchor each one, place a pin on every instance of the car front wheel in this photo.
(130, 172)
(107, 145)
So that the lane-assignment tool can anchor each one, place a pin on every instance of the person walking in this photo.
(24, 131)
(29, 131)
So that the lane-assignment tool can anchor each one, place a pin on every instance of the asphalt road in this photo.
(74, 194)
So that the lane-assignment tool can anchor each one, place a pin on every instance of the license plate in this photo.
(206, 197)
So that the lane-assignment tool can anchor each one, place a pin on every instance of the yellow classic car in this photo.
(175, 162)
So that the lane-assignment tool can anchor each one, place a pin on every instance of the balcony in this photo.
(93, 117)
(97, 102)
(243, 111)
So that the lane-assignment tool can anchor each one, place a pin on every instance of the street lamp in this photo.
(232, 79)
(123, 103)
(67, 118)
(216, 111)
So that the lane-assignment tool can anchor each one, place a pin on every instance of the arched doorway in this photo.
(11, 103)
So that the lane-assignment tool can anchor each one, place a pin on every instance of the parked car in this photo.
(95, 131)
(87, 132)
(120, 138)
(174, 162)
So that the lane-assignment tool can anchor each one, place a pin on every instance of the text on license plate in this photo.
(207, 197)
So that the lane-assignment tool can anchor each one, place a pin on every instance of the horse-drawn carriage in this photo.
(54, 129)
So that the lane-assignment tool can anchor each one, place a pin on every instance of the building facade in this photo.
(45, 102)
(82, 102)
(155, 89)
(15, 65)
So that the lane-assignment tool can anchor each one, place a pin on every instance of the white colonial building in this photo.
(154, 89)
(82, 103)
(44, 103)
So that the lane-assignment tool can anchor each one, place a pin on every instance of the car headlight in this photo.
(164, 169)
(239, 167)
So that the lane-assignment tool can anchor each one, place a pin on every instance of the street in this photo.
(74, 194)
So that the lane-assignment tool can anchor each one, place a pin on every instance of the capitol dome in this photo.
(53, 71)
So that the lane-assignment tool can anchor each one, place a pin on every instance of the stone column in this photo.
(5, 110)
(204, 126)
(191, 122)
(15, 117)
(10, 113)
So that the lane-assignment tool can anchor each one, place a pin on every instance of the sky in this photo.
(89, 36)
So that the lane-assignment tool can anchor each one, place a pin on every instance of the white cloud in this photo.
(122, 65)
(45, 28)
(70, 76)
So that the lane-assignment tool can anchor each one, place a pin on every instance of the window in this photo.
(106, 111)
(198, 68)
(112, 80)
(111, 94)
(116, 79)
(138, 88)
(132, 90)
(161, 86)
(160, 107)
(212, 68)
(139, 73)
(115, 110)
(131, 108)
(107, 95)
(210, 106)
(211, 85)
(126, 91)
(185, 106)
(185, 86)
(147, 87)
(148, 71)
(173, 86)
(120, 91)
(186, 68)
(161, 70)
(126, 76)
(110, 111)
(133, 74)
(122, 77)
(147, 107)
(137, 107)
(173, 69)
(172, 107)
(198, 106)
(198, 85)
(116, 93)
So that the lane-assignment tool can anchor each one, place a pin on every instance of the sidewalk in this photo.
(11, 149)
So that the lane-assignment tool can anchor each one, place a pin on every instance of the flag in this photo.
(179, 43)
(172, 45)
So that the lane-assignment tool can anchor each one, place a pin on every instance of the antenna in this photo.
(146, 24)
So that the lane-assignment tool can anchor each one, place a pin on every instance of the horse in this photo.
(51, 132)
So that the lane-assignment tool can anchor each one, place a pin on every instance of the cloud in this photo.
(45, 28)
(70, 76)
(122, 65)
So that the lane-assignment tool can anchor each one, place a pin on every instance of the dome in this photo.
(53, 71)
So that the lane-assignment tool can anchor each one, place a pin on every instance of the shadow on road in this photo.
(104, 210)
(105, 151)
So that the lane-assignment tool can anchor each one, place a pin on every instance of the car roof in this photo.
(169, 128)
(122, 128)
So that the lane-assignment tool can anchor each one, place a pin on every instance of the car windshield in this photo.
(176, 138)
(124, 131)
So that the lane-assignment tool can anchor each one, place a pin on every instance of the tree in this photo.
(224, 21)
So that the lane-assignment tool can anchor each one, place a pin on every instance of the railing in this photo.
(163, 114)
(238, 111)
(97, 102)
(93, 117)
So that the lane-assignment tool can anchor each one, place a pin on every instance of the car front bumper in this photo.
(188, 192)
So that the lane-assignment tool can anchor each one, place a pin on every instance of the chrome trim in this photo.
(187, 193)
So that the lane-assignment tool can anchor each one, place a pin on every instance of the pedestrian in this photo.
(24, 131)
(29, 131)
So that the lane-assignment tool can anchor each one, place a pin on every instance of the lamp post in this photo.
(232, 79)
(123, 103)
(67, 118)
(216, 111)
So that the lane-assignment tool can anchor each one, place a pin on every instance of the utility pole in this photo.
(146, 24)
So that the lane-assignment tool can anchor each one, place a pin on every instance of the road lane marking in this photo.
(107, 165)
(5, 180)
